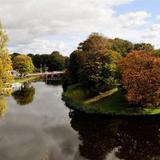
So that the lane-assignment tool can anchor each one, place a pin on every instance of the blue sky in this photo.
(38, 26)
(151, 6)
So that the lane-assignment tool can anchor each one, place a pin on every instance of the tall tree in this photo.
(99, 71)
(93, 64)
(57, 61)
(95, 43)
(23, 64)
(5, 61)
(53, 61)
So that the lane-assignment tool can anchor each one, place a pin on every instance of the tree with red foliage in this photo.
(141, 78)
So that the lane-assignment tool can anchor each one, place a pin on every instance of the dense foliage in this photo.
(143, 47)
(93, 64)
(50, 62)
(75, 64)
(95, 43)
(57, 61)
(122, 46)
(47, 62)
(99, 70)
(23, 64)
(141, 78)
(5, 61)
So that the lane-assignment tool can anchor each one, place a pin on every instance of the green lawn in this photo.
(111, 102)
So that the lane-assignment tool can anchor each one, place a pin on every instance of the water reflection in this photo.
(55, 83)
(118, 138)
(25, 95)
(44, 131)
(3, 107)
(40, 131)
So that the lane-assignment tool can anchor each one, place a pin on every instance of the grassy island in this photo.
(111, 102)
(113, 77)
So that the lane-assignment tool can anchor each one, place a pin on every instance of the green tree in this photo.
(93, 64)
(57, 61)
(147, 47)
(95, 43)
(74, 65)
(122, 46)
(5, 61)
(99, 71)
(53, 61)
(23, 64)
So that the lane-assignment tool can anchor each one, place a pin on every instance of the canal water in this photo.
(35, 124)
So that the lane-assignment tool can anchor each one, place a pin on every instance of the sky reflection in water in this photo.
(43, 130)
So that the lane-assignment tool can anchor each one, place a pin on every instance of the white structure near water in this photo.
(15, 74)
(16, 86)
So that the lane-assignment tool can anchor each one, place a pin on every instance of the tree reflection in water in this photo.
(131, 138)
(55, 83)
(3, 106)
(25, 95)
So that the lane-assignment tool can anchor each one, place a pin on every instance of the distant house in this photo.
(15, 74)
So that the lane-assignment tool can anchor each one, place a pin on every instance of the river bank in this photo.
(8, 88)
(111, 102)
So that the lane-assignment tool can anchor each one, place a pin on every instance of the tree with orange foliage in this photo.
(141, 78)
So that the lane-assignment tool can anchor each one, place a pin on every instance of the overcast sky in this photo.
(41, 26)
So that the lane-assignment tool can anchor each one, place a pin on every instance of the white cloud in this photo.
(153, 32)
(42, 46)
(134, 19)
(30, 23)
(151, 35)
